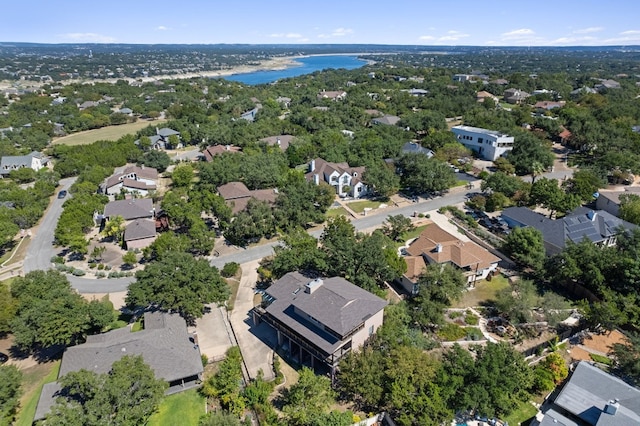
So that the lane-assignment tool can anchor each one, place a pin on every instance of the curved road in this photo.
(41, 249)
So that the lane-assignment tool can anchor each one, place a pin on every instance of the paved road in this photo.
(41, 249)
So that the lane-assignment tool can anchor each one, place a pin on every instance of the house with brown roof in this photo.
(483, 94)
(415, 268)
(319, 321)
(438, 246)
(133, 179)
(213, 150)
(515, 96)
(334, 95)
(139, 234)
(548, 105)
(346, 180)
(281, 141)
(131, 209)
(236, 195)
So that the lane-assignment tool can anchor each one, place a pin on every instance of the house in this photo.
(564, 136)
(213, 150)
(251, 114)
(462, 77)
(607, 84)
(139, 234)
(162, 139)
(334, 95)
(284, 101)
(35, 161)
(483, 94)
(346, 180)
(593, 397)
(134, 179)
(236, 195)
(438, 246)
(418, 92)
(500, 82)
(548, 105)
(319, 321)
(515, 96)
(488, 144)
(135, 208)
(125, 111)
(88, 104)
(609, 201)
(598, 226)
(388, 120)
(165, 345)
(415, 268)
(281, 141)
(583, 91)
(416, 148)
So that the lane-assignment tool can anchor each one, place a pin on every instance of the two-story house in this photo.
(488, 144)
(345, 179)
(136, 179)
(34, 160)
(319, 321)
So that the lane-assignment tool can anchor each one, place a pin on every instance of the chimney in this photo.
(312, 166)
(312, 286)
(592, 215)
(438, 248)
(612, 407)
(227, 147)
(316, 179)
(278, 141)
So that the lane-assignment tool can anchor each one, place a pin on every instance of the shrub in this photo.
(455, 314)
(78, 272)
(57, 259)
(204, 359)
(451, 332)
(473, 333)
(100, 274)
(428, 216)
(230, 269)
(420, 215)
(601, 359)
(100, 266)
(276, 369)
(471, 319)
(92, 266)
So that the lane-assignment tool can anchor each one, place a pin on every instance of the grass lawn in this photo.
(359, 206)
(485, 291)
(184, 408)
(522, 414)
(109, 133)
(234, 284)
(32, 384)
(338, 211)
(19, 248)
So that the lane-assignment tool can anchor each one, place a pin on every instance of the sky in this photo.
(405, 22)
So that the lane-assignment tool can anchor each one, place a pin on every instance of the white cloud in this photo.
(573, 41)
(339, 32)
(162, 28)
(448, 37)
(286, 35)
(588, 30)
(518, 34)
(630, 32)
(427, 38)
(88, 38)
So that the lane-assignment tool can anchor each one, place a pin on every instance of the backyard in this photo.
(34, 378)
(109, 133)
(484, 292)
(184, 408)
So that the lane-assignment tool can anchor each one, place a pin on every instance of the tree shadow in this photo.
(40, 354)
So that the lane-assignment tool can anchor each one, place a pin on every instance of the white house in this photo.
(346, 180)
(136, 179)
(34, 160)
(488, 144)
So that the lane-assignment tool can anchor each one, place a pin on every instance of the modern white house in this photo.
(488, 144)
(34, 161)
(345, 179)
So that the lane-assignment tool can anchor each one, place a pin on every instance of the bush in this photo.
(451, 332)
(204, 359)
(601, 359)
(100, 266)
(100, 274)
(471, 319)
(78, 272)
(428, 216)
(57, 259)
(455, 314)
(473, 333)
(230, 269)
(276, 369)
(92, 266)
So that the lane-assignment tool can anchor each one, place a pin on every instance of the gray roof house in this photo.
(282, 141)
(610, 200)
(592, 397)
(135, 208)
(35, 160)
(416, 148)
(389, 120)
(161, 139)
(140, 233)
(319, 321)
(598, 226)
(165, 345)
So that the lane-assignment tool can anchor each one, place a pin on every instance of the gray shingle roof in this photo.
(416, 148)
(139, 229)
(337, 304)
(136, 208)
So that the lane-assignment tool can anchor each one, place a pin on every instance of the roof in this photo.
(387, 119)
(164, 344)
(143, 172)
(135, 208)
(282, 141)
(332, 94)
(479, 130)
(325, 169)
(337, 304)
(237, 195)
(140, 229)
(451, 249)
(233, 190)
(138, 184)
(13, 161)
(415, 267)
(416, 148)
(549, 104)
(213, 150)
(165, 132)
(590, 389)
(614, 196)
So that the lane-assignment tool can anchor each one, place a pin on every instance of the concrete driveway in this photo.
(255, 342)
(214, 333)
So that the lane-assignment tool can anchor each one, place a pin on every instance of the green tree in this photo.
(381, 179)
(129, 258)
(420, 174)
(438, 287)
(178, 282)
(630, 208)
(547, 193)
(23, 175)
(583, 184)
(299, 252)
(10, 391)
(114, 228)
(526, 247)
(127, 395)
(396, 227)
(8, 231)
(8, 308)
(158, 160)
(627, 358)
(307, 399)
(517, 302)
(182, 175)
(225, 384)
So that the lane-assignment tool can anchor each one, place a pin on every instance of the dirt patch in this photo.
(604, 342)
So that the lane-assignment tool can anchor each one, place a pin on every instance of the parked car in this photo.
(62, 194)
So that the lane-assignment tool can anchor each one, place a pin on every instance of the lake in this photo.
(307, 66)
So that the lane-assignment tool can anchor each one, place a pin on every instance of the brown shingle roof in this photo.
(136, 208)
(233, 190)
(415, 267)
(282, 141)
(441, 247)
(214, 150)
(140, 229)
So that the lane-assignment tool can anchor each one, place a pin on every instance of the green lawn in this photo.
(338, 211)
(359, 206)
(183, 409)
(32, 384)
(523, 413)
(485, 291)
(109, 133)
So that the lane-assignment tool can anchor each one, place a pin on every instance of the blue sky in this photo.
(422, 22)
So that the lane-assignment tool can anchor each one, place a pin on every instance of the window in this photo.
(480, 140)
(370, 330)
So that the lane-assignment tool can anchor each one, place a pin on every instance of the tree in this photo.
(438, 287)
(517, 302)
(627, 358)
(308, 399)
(97, 252)
(547, 193)
(8, 231)
(8, 308)
(219, 418)
(23, 175)
(127, 395)
(49, 311)
(114, 228)
(182, 175)
(381, 179)
(129, 258)
(396, 227)
(583, 184)
(420, 174)
(630, 208)
(11, 379)
(299, 252)
(530, 153)
(178, 282)
(158, 160)
(526, 247)
(225, 384)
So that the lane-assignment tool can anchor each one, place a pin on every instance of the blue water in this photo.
(307, 66)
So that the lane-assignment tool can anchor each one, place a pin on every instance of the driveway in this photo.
(255, 342)
(214, 333)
